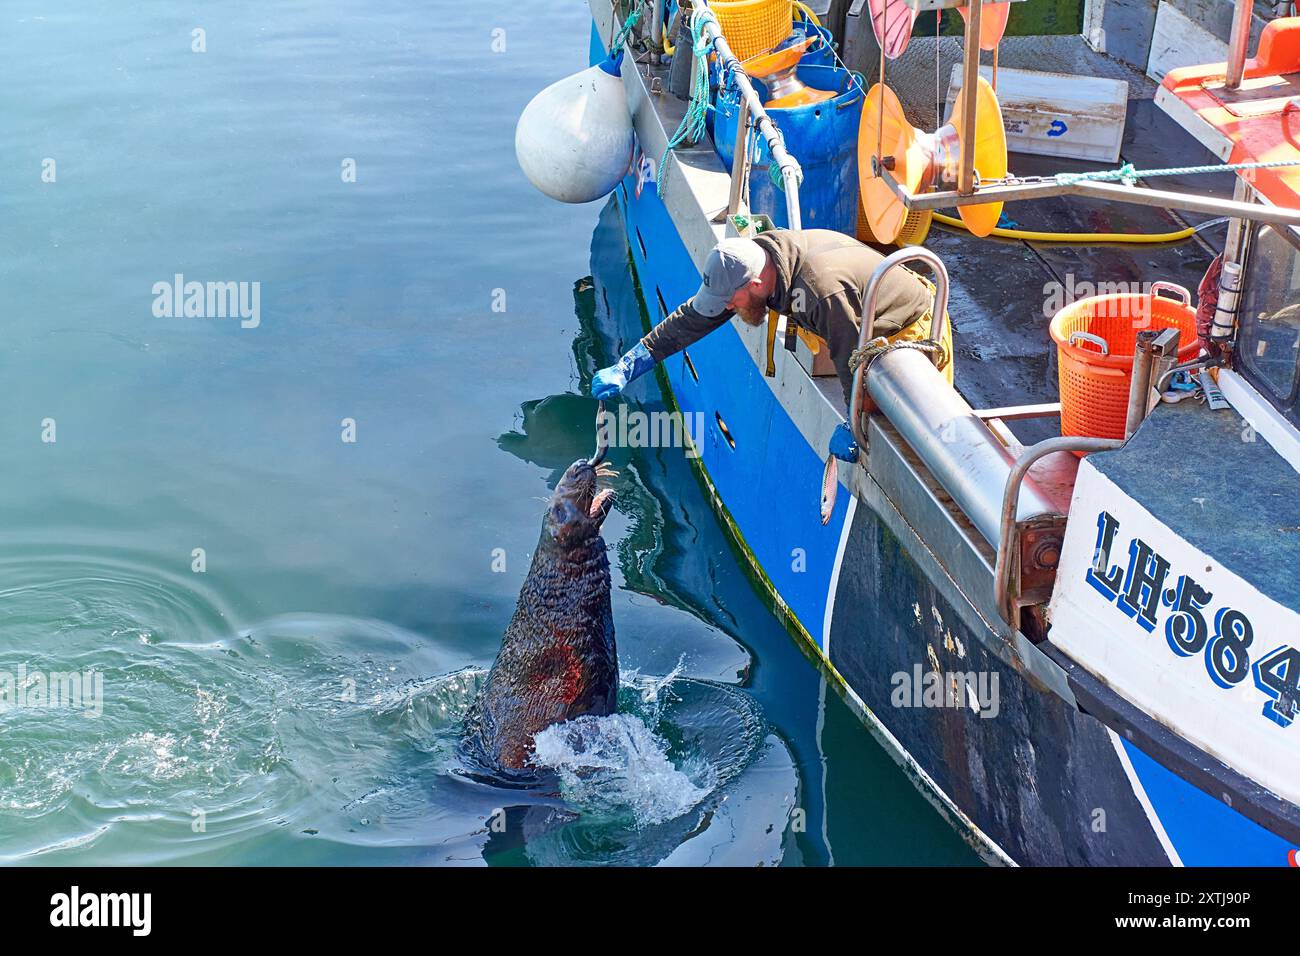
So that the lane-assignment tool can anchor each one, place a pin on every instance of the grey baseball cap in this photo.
(731, 264)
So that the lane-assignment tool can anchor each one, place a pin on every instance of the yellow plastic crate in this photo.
(752, 27)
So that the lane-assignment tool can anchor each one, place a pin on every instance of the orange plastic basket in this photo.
(1095, 341)
(753, 27)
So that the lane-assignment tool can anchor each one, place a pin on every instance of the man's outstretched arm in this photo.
(683, 328)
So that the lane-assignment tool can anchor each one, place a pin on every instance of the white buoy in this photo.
(575, 139)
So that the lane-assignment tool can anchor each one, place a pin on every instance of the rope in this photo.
(880, 345)
(857, 79)
(774, 168)
(1129, 175)
(621, 37)
(692, 127)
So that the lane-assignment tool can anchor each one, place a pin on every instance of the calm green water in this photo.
(297, 699)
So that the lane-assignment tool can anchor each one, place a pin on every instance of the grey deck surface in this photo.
(1234, 499)
(1001, 287)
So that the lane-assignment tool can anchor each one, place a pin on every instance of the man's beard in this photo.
(754, 317)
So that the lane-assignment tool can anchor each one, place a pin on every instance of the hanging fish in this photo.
(830, 487)
(602, 436)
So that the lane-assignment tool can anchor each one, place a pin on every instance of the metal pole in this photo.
(1139, 385)
(790, 171)
(1134, 195)
(657, 32)
(1238, 43)
(958, 448)
(740, 164)
(969, 85)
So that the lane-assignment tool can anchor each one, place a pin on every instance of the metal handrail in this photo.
(1011, 507)
(791, 172)
(867, 326)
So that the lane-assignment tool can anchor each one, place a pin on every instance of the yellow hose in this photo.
(1075, 236)
(807, 12)
(669, 49)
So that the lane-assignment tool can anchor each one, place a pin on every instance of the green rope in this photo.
(692, 127)
(1129, 175)
(622, 35)
(774, 168)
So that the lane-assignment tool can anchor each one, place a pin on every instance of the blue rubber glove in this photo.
(608, 382)
(843, 445)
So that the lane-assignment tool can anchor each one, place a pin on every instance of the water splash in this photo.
(616, 764)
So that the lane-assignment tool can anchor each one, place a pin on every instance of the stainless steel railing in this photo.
(791, 173)
(867, 325)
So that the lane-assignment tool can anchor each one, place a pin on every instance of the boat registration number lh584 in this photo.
(1160, 598)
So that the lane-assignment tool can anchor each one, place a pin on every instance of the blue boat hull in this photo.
(1040, 783)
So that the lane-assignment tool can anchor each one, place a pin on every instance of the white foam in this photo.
(616, 764)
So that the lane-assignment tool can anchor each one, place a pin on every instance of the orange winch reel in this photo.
(919, 161)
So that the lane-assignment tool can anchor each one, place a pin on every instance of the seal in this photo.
(558, 659)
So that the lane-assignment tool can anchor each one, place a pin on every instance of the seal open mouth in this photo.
(582, 487)
(581, 498)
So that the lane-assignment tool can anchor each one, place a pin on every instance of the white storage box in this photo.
(1057, 114)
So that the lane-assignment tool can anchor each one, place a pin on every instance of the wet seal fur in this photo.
(558, 659)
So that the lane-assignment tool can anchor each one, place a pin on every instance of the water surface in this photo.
(276, 610)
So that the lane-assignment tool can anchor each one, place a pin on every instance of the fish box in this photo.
(1057, 114)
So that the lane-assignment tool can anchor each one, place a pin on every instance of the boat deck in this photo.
(1000, 287)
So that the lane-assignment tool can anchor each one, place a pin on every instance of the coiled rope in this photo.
(692, 128)
(880, 345)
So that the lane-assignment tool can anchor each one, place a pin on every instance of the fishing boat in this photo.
(1061, 592)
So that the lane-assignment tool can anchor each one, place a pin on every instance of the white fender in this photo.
(575, 139)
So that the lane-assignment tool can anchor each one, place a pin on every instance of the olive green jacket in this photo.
(821, 282)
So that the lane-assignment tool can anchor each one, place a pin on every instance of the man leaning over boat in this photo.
(816, 277)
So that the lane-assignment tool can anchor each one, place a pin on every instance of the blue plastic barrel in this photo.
(823, 137)
(821, 53)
